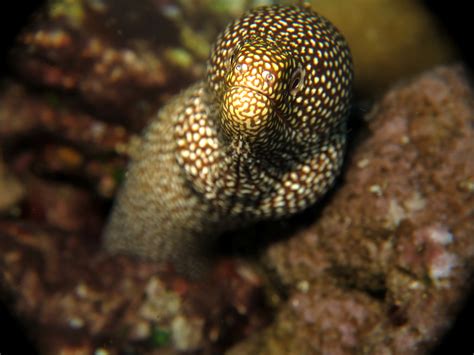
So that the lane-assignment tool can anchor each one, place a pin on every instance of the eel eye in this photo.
(296, 81)
(269, 77)
(233, 54)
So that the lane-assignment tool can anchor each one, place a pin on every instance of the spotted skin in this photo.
(262, 137)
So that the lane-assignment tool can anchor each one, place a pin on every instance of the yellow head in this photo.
(254, 87)
(281, 77)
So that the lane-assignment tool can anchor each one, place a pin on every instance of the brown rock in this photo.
(11, 190)
(73, 297)
(112, 55)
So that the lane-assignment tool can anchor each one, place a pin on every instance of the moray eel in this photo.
(262, 137)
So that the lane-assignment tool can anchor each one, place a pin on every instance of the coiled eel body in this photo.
(262, 137)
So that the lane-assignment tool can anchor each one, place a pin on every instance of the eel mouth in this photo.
(250, 88)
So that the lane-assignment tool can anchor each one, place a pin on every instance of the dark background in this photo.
(454, 16)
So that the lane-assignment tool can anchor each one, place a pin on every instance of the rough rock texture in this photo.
(11, 190)
(388, 263)
(49, 139)
(74, 299)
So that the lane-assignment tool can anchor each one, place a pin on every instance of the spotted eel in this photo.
(262, 137)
